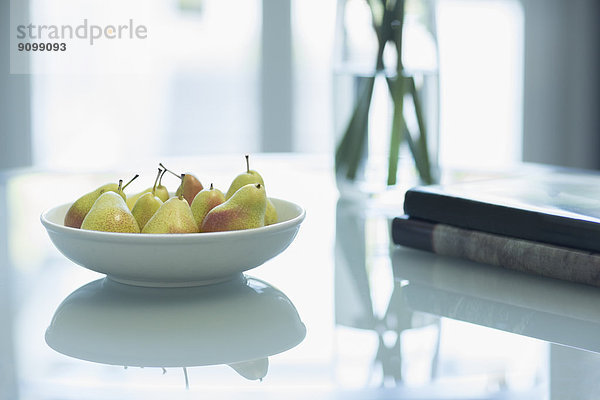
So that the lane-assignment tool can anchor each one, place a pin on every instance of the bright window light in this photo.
(481, 75)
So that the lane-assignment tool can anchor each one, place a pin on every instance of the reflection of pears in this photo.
(244, 210)
(253, 370)
(161, 192)
(205, 201)
(110, 214)
(190, 186)
(147, 204)
(245, 178)
(82, 205)
(174, 216)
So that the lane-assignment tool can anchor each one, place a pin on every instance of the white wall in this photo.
(562, 82)
(15, 125)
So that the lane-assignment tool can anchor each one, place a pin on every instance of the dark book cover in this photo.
(539, 258)
(551, 205)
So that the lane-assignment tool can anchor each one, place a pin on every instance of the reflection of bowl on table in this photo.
(174, 259)
(240, 320)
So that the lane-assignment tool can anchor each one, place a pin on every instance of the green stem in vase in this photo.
(350, 149)
(418, 150)
(343, 148)
(397, 130)
(397, 92)
(361, 134)
(425, 170)
(413, 147)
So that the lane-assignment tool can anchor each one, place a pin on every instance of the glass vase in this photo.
(364, 77)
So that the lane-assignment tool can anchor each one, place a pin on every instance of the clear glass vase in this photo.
(359, 69)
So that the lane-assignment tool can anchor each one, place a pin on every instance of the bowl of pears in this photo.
(195, 236)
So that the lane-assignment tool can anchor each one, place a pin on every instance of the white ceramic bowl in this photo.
(174, 259)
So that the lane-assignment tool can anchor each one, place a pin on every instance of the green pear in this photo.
(147, 204)
(131, 200)
(82, 205)
(206, 200)
(243, 179)
(145, 208)
(110, 214)
(160, 191)
(251, 176)
(190, 185)
(270, 214)
(174, 216)
(244, 210)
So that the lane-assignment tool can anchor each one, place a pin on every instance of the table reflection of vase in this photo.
(369, 298)
(240, 323)
(361, 82)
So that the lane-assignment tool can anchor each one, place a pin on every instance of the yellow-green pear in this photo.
(145, 208)
(110, 214)
(270, 214)
(147, 204)
(190, 185)
(251, 176)
(206, 200)
(174, 216)
(243, 179)
(131, 200)
(160, 191)
(244, 210)
(79, 209)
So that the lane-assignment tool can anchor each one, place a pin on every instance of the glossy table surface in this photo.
(340, 314)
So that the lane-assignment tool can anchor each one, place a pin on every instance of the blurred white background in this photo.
(246, 76)
(256, 76)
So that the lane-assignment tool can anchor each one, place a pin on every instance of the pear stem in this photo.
(132, 179)
(164, 171)
(168, 170)
(247, 163)
(156, 181)
(211, 186)
(120, 185)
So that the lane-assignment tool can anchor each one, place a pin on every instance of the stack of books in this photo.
(544, 221)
